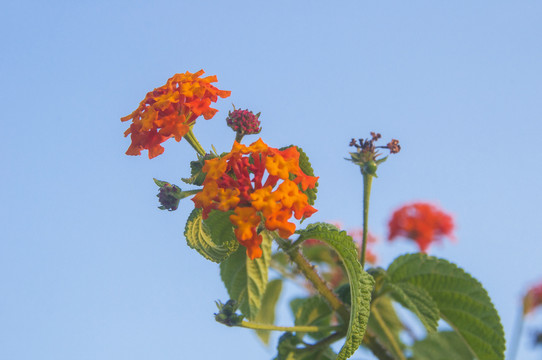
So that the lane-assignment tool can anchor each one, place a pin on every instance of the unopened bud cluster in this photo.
(244, 122)
(227, 313)
(367, 155)
(169, 196)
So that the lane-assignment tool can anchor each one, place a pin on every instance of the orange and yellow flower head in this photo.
(263, 186)
(170, 111)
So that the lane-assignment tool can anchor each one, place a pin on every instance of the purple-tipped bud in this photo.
(244, 122)
(169, 196)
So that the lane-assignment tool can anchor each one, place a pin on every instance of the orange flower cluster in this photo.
(422, 222)
(532, 299)
(257, 182)
(170, 111)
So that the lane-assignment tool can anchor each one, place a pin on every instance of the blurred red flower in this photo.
(422, 222)
(532, 299)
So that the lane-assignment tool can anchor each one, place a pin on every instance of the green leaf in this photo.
(213, 238)
(160, 183)
(384, 307)
(361, 283)
(306, 167)
(266, 315)
(439, 346)
(418, 301)
(246, 279)
(461, 299)
(313, 311)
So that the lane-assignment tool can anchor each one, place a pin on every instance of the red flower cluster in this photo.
(170, 111)
(257, 182)
(532, 299)
(422, 222)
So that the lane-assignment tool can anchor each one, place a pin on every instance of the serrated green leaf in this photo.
(246, 279)
(306, 167)
(313, 311)
(440, 346)
(461, 299)
(266, 315)
(213, 238)
(418, 301)
(361, 283)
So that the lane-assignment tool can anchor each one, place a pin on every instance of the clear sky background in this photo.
(91, 269)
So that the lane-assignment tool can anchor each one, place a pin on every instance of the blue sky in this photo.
(90, 269)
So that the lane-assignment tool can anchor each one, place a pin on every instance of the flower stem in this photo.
(322, 343)
(516, 336)
(191, 138)
(187, 193)
(319, 284)
(367, 181)
(308, 328)
(391, 339)
(239, 136)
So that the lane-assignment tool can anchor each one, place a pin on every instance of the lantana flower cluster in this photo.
(260, 184)
(422, 222)
(170, 111)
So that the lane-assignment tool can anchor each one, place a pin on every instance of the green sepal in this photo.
(213, 238)
(266, 315)
(462, 301)
(361, 283)
(246, 279)
(440, 346)
(312, 311)
(160, 183)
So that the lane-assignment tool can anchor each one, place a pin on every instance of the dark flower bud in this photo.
(169, 195)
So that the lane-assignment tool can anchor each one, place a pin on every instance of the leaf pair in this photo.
(435, 288)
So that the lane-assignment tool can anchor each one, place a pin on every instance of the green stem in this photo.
(377, 349)
(187, 193)
(516, 336)
(367, 181)
(308, 328)
(191, 138)
(319, 284)
(239, 136)
(391, 339)
(322, 343)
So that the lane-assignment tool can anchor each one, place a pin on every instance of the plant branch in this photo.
(319, 284)
(377, 349)
(367, 181)
(388, 334)
(270, 327)
(191, 139)
(322, 343)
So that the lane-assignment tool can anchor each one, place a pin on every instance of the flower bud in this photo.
(169, 195)
(244, 122)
